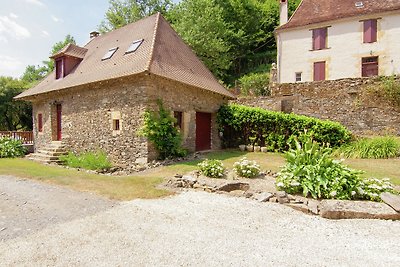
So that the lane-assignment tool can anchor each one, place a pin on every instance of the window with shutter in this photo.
(319, 38)
(370, 66)
(370, 31)
(319, 71)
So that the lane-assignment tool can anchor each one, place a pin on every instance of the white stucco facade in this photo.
(345, 49)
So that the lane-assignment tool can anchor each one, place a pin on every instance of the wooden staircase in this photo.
(49, 154)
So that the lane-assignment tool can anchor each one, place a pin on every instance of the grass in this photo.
(89, 160)
(144, 185)
(119, 188)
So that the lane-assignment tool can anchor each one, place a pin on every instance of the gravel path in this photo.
(201, 229)
(27, 206)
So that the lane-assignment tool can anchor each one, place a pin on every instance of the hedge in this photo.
(275, 130)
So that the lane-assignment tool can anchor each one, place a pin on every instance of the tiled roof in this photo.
(71, 50)
(317, 11)
(162, 53)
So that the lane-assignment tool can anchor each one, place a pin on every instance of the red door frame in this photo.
(58, 110)
(203, 131)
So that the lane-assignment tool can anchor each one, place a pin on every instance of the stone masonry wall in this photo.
(346, 101)
(88, 113)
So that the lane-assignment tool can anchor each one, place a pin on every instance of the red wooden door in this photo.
(319, 71)
(203, 131)
(58, 108)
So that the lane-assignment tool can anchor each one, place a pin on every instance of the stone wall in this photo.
(88, 112)
(348, 101)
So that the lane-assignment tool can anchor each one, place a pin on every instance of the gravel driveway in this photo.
(201, 229)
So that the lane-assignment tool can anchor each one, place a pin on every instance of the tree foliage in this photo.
(122, 12)
(14, 115)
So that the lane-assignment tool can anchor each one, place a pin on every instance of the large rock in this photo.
(233, 186)
(345, 209)
(392, 200)
(263, 197)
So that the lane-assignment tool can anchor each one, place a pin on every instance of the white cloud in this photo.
(13, 16)
(35, 2)
(55, 19)
(10, 66)
(3, 39)
(45, 33)
(13, 29)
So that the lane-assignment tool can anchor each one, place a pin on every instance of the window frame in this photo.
(110, 53)
(138, 43)
(296, 76)
(60, 63)
(364, 65)
(372, 36)
(116, 124)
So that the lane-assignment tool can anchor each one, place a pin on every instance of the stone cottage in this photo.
(335, 39)
(97, 95)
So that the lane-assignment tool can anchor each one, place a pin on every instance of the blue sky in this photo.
(29, 28)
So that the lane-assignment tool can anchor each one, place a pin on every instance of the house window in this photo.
(134, 46)
(59, 68)
(298, 76)
(110, 53)
(319, 71)
(40, 122)
(370, 66)
(116, 125)
(178, 115)
(370, 31)
(319, 37)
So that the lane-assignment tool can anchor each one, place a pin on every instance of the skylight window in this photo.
(359, 4)
(110, 53)
(134, 46)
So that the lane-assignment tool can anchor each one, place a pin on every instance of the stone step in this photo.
(51, 153)
(42, 157)
(53, 149)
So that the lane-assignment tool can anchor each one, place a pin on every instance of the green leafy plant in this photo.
(10, 148)
(255, 84)
(246, 168)
(371, 148)
(89, 160)
(311, 171)
(160, 130)
(391, 88)
(212, 168)
(275, 130)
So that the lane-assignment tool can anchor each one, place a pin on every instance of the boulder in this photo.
(232, 186)
(346, 209)
(263, 197)
(392, 200)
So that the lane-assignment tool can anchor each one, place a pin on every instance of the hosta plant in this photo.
(246, 168)
(212, 168)
(10, 148)
(311, 171)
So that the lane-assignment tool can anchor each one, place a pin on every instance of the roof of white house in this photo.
(317, 11)
(160, 52)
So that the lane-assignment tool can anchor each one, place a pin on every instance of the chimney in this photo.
(283, 12)
(94, 34)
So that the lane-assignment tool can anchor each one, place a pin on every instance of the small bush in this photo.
(160, 130)
(212, 168)
(246, 168)
(90, 160)
(10, 148)
(275, 130)
(310, 170)
(255, 84)
(371, 148)
(392, 89)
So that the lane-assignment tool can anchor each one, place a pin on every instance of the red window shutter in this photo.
(319, 71)
(59, 68)
(370, 30)
(319, 38)
(40, 122)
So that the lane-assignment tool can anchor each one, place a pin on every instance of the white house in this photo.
(334, 39)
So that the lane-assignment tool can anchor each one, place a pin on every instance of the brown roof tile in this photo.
(316, 11)
(162, 53)
(71, 50)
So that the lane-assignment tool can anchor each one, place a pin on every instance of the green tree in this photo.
(123, 12)
(14, 115)
(33, 74)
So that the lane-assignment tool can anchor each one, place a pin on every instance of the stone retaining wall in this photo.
(347, 101)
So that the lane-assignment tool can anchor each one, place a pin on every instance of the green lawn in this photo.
(144, 185)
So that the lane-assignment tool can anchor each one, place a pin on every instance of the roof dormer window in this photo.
(134, 46)
(59, 68)
(110, 53)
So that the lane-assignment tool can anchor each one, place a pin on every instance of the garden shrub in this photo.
(246, 168)
(89, 160)
(160, 130)
(10, 148)
(391, 89)
(371, 148)
(311, 171)
(212, 168)
(256, 84)
(275, 130)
